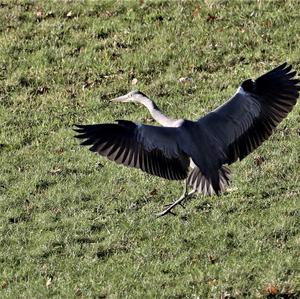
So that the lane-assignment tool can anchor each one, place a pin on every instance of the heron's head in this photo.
(133, 96)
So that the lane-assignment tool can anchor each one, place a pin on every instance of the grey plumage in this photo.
(223, 136)
(132, 145)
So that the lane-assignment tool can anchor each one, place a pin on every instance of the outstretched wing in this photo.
(239, 126)
(250, 116)
(150, 148)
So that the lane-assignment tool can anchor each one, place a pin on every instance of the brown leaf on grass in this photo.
(42, 89)
(50, 14)
(226, 295)
(59, 151)
(87, 84)
(77, 50)
(212, 258)
(211, 18)
(4, 285)
(185, 80)
(258, 160)
(109, 13)
(212, 282)
(56, 211)
(39, 14)
(196, 11)
(69, 14)
(153, 192)
(48, 282)
(272, 289)
(268, 23)
(55, 171)
(78, 292)
(133, 206)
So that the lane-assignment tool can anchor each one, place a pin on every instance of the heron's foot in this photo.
(171, 203)
(167, 210)
(170, 206)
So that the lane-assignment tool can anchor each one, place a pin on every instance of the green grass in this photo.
(73, 224)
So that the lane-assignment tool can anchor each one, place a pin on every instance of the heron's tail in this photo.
(204, 185)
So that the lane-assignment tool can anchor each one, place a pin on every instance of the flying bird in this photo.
(198, 151)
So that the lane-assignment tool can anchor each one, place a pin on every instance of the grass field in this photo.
(74, 224)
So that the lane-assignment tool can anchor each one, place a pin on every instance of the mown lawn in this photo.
(73, 224)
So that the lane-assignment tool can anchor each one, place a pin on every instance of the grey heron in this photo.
(197, 151)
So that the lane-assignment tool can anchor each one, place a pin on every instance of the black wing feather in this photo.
(120, 143)
(276, 94)
(239, 126)
(249, 117)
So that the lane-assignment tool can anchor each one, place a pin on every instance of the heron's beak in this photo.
(120, 99)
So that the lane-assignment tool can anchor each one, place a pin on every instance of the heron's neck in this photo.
(158, 115)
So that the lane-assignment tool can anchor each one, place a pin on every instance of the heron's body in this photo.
(197, 151)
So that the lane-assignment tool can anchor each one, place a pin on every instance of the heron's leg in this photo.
(185, 195)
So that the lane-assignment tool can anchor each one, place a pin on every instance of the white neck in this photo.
(157, 114)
